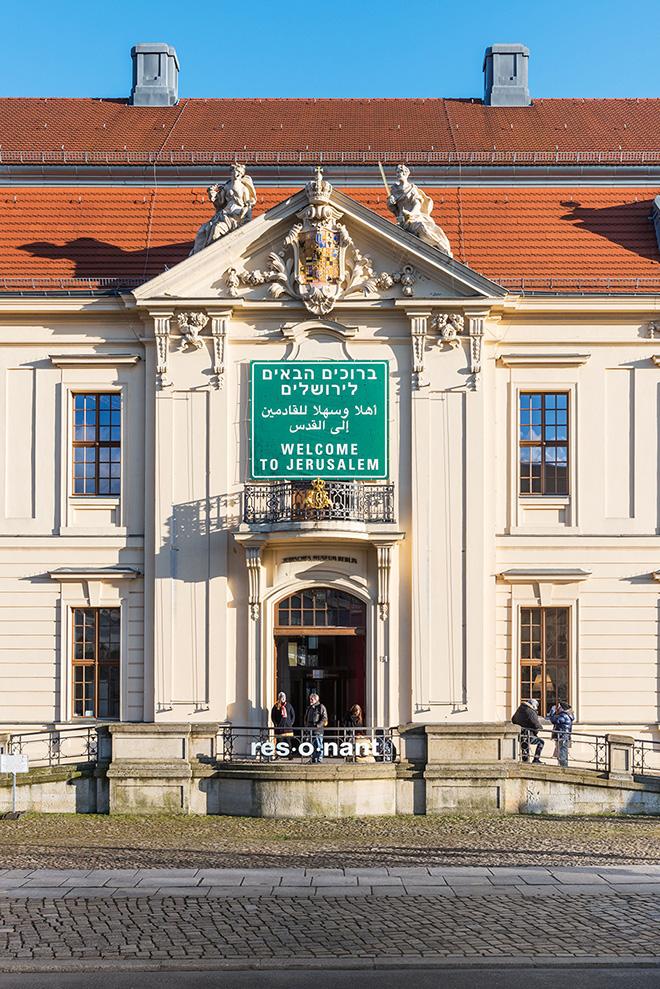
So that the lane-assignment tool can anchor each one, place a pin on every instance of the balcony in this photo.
(273, 502)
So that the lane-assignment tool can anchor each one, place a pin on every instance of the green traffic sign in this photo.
(319, 419)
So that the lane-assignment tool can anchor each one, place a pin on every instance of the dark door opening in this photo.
(320, 648)
(333, 666)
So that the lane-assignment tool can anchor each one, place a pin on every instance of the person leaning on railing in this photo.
(528, 720)
(562, 717)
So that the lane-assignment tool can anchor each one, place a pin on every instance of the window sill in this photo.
(544, 501)
(95, 501)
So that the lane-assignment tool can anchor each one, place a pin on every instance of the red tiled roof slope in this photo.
(583, 233)
(371, 127)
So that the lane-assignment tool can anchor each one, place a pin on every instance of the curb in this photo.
(402, 963)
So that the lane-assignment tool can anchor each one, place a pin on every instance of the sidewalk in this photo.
(447, 881)
(272, 919)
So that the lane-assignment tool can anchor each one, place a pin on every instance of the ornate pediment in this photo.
(314, 249)
(319, 263)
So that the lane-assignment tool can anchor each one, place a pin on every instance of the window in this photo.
(544, 655)
(319, 608)
(543, 443)
(97, 444)
(96, 662)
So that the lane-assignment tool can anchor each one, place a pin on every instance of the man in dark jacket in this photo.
(527, 719)
(316, 719)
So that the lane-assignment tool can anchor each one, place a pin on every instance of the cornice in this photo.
(93, 573)
(92, 304)
(549, 575)
(542, 360)
(346, 176)
(93, 360)
(647, 305)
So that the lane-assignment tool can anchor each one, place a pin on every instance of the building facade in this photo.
(476, 521)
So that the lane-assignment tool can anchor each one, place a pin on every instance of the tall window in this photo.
(543, 443)
(544, 655)
(96, 662)
(97, 444)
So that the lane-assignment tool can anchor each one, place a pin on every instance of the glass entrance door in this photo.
(320, 648)
(333, 666)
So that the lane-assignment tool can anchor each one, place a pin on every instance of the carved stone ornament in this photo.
(253, 561)
(219, 323)
(384, 554)
(449, 326)
(654, 329)
(191, 325)
(476, 332)
(319, 264)
(162, 335)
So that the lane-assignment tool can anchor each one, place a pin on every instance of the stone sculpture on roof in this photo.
(233, 203)
(413, 210)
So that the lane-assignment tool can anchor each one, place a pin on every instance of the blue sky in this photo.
(341, 48)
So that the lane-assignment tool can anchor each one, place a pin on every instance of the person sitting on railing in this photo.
(528, 720)
(562, 717)
(353, 721)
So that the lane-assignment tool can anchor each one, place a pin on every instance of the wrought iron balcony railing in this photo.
(317, 501)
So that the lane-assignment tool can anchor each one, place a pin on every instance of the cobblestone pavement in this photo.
(60, 841)
(200, 916)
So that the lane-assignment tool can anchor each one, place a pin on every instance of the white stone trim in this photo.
(83, 593)
(94, 360)
(552, 575)
(532, 597)
(70, 501)
(542, 360)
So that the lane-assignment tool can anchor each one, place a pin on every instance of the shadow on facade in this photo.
(197, 549)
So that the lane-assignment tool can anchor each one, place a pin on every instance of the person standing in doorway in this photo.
(282, 715)
(316, 719)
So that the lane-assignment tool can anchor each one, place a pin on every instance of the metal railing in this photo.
(584, 751)
(238, 743)
(300, 501)
(56, 746)
(646, 757)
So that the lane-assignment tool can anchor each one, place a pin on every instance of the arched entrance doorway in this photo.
(320, 647)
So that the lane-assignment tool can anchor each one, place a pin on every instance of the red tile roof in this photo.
(338, 129)
(579, 237)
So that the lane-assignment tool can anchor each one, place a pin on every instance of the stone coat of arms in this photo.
(320, 263)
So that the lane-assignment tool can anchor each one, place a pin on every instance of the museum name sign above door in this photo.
(319, 419)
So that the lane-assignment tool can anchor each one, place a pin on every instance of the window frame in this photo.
(96, 444)
(95, 663)
(309, 614)
(543, 443)
(543, 662)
